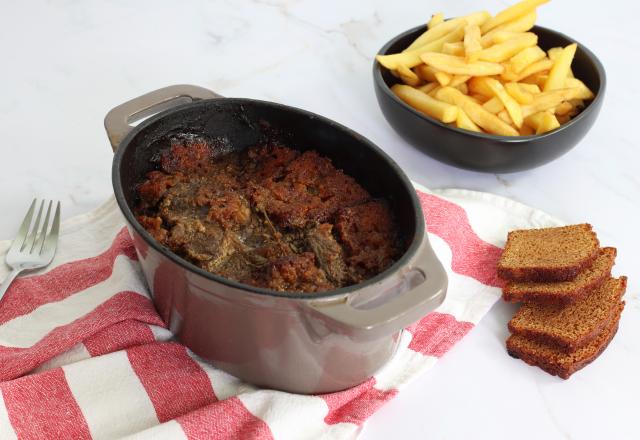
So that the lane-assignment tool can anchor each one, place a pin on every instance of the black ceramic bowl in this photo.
(485, 152)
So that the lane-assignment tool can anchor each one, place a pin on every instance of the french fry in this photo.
(426, 88)
(458, 65)
(534, 120)
(525, 130)
(408, 76)
(503, 51)
(434, 91)
(563, 108)
(464, 121)
(554, 53)
(548, 100)
(529, 88)
(521, 24)
(510, 104)
(447, 27)
(487, 121)
(538, 66)
(511, 13)
(480, 99)
(526, 57)
(504, 115)
(538, 78)
(456, 48)
(517, 93)
(488, 74)
(476, 85)
(471, 42)
(427, 73)
(456, 80)
(502, 36)
(560, 69)
(425, 104)
(462, 87)
(411, 58)
(494, 105)
(443, 78)
(436, 19)
(548, 123)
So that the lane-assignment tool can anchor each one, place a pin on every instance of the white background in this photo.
(64, 64)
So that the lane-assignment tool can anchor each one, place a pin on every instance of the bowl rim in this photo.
(417, 242)
(599, 94)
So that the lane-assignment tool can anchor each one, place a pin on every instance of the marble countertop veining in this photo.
(65, 63)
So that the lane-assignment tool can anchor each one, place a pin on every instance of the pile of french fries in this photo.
(487, 74)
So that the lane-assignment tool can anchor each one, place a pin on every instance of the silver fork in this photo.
(33, 247)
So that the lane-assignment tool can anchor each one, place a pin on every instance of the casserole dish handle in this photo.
(118, 120)
(368, 321)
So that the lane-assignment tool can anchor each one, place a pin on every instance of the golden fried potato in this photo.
(471, 42)
(511, 13)
(522, 24)
(494, 105)
(436, 19)
(559, 71)
(487, 121)
(408, 76)
(441, 30)
(548, 100)
(488, 74)
(458, 65)
(517, 93)
(510, 104)
(411, 58)
(464, 121)
(525, 58)
(503, 51)
(426, 104)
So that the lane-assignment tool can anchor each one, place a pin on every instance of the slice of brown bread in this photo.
(573, 326)
(563, 292)
(554, 361)
(548, 254)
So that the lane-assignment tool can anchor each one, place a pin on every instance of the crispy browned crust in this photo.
(543, 297)
(554, 368)
(546, 274)
(568, 345)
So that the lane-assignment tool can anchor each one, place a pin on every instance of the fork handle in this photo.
(8, 280)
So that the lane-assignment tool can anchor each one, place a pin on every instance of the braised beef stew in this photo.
(267, 216)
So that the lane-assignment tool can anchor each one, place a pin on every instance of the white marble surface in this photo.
(66, 63)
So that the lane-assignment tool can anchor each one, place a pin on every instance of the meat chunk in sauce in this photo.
(310, 191)
(270, 216)
(328, 252)
(368, 235)
(297, 273)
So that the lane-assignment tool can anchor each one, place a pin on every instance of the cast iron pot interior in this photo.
(235, 124)
(483, 152)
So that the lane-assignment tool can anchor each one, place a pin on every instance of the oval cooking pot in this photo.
(297, 342)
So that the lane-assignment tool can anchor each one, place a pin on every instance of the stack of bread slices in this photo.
(571, 304)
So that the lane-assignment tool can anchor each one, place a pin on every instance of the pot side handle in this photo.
(400, 311)
(118, 120)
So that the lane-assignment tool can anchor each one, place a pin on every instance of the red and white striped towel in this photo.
(83, 353)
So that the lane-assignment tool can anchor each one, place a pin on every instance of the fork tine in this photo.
(39, 244)
(24, 227)
(51, 241)
(28, 243)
